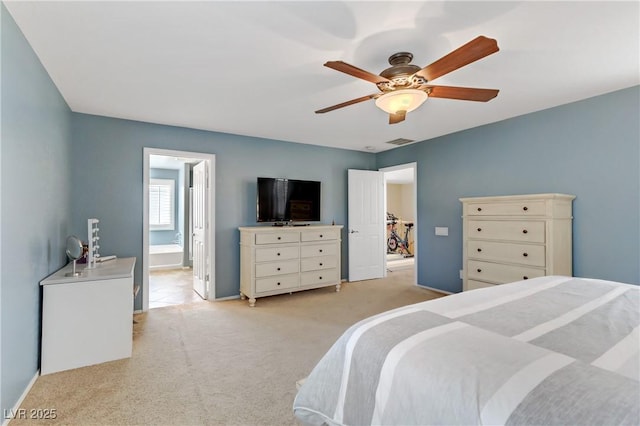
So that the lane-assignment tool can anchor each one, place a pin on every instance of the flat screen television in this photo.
(288, 200)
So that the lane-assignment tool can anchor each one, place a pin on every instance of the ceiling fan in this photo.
(404, 86)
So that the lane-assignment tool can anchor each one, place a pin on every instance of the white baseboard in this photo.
(437, 290)
(16, 407)
(219, 299)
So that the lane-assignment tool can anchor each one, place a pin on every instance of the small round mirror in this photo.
(74, 247)
(74, 251)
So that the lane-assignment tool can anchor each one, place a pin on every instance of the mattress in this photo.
(549, 350)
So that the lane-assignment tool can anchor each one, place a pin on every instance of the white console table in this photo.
(87, 319)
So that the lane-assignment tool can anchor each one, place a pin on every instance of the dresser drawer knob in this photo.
(479, 250)
(479, 229)
(479, 270)
(321, 264)
(279, 238)
(524, 231)
(278, 269)
(525, 208)
(320, 250)
(278, 254)
(320, 278)
(479, 209)
(525, 277)
(320, 235)
(525, 254)
(278, 283)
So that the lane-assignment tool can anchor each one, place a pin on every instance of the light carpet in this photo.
(218, 363)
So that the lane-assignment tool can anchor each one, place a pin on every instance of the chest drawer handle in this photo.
(525, 208)
(479, 229)
(279, 238)
(524, 231)
(479, 270)
(320, 235)
(525, 277)
(525, 254)
(320, 250)
(479, 209)
(278, 254)
(320, 263)
(278, 283)
(479, 250)
(319, 277)
(278, 269)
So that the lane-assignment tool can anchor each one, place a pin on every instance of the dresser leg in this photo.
(252, 302)
(242, 296)
(337, 287)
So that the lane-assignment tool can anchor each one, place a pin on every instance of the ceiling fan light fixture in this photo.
(401, 100)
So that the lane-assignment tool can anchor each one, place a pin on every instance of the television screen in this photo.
(288, 200)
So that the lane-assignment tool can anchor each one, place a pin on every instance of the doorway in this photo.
(401, 210)
(178, 227)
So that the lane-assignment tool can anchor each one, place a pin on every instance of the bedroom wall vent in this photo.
(400, 141)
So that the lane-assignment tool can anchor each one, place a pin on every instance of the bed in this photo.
(549, 350)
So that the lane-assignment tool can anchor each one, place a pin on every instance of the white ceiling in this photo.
(256, 68)
(168, 162)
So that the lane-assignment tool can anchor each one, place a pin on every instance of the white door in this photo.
(366, 225)
(200, 224)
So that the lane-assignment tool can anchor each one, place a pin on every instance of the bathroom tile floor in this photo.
(170, 287)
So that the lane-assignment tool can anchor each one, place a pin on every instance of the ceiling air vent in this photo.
(400, 141)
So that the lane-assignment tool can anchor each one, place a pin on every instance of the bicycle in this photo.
(395, 241)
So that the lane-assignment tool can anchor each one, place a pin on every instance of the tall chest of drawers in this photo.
(515, 237)
(277, 260)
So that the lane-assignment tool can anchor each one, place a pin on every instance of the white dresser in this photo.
(276, 260)
(516, 237)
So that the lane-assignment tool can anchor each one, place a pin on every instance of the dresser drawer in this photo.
(278, 237)
(509, 230)
(268, 254)
(276, 268)
(500, 273)
(472, 285)
(277, 283)
(516, 208)
(319, 235)
(319, 250)
(319, 277)
(318, 263)
(526, 254)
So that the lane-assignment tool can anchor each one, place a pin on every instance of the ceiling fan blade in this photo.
(477, 48)
(397, 117)
(355, 71)
(462, 93)
(347, 103)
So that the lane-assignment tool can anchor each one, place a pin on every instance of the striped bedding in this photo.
(549, 350)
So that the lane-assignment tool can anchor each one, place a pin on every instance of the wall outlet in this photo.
(461, 274)
(442, 231)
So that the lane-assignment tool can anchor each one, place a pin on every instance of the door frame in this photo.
(414, 167)
(211, 159)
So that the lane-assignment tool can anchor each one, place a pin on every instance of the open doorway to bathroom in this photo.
(400, 199)
(178, 235)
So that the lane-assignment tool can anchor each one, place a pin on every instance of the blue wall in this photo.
(589, 148)
(36, 204)
(111, 150)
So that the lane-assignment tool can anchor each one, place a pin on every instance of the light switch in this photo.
(442, 231)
